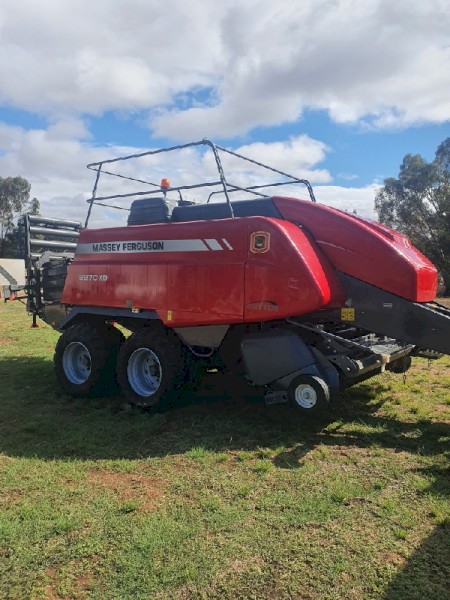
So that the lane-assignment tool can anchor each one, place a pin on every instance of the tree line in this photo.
(416, 203)
(14, 202)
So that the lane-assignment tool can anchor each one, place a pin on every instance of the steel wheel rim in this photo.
(305, 396)
(144, 372)
(77, 363)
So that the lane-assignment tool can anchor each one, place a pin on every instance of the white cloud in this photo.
(384, 62)
(54, 161)
(61, 56)
(262, 62)
(360, 200)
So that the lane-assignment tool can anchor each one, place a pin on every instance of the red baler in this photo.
(298, 297)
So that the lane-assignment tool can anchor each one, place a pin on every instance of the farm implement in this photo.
(297, 297)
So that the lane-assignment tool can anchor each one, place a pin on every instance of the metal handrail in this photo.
(226, 186)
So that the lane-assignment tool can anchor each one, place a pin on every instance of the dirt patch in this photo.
(80, 583)
(50, 588)
(6, 341)
(440, 410)
(11, 497)
(433, 368)
(444, 301)
(393, 558)
(129, 487)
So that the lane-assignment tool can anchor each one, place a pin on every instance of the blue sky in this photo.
(337, 91)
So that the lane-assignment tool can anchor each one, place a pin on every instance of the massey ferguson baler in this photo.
(302, 299)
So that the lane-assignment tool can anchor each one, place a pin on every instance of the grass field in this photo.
(220, 497)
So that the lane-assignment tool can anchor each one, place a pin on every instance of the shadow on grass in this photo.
(427, 573)
(38, 420)
(356, 424)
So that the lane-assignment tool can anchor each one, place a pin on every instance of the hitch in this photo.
(426, 326)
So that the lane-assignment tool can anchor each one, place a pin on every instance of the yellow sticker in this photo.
(347, 314)
(169, 315)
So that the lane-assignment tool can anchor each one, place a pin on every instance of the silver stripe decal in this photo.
(142, 246)
(213, 244)
(227, 244)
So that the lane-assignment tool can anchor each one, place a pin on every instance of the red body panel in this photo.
(365, 249)
(291, 278)
(203, 272)
(191, 286)
(246, 269)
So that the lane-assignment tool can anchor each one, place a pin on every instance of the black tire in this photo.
(54, 282)
(151, 364)
(56, 271)
(309, 394)
(85, 359)
(52, 295)
(52, 291)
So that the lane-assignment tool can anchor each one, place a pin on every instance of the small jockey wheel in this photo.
(309, 394)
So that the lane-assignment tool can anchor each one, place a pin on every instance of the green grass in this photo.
(220, 497)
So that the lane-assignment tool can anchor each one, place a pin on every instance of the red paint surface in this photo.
(365, 249)
(205, 287)
(295, 276)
